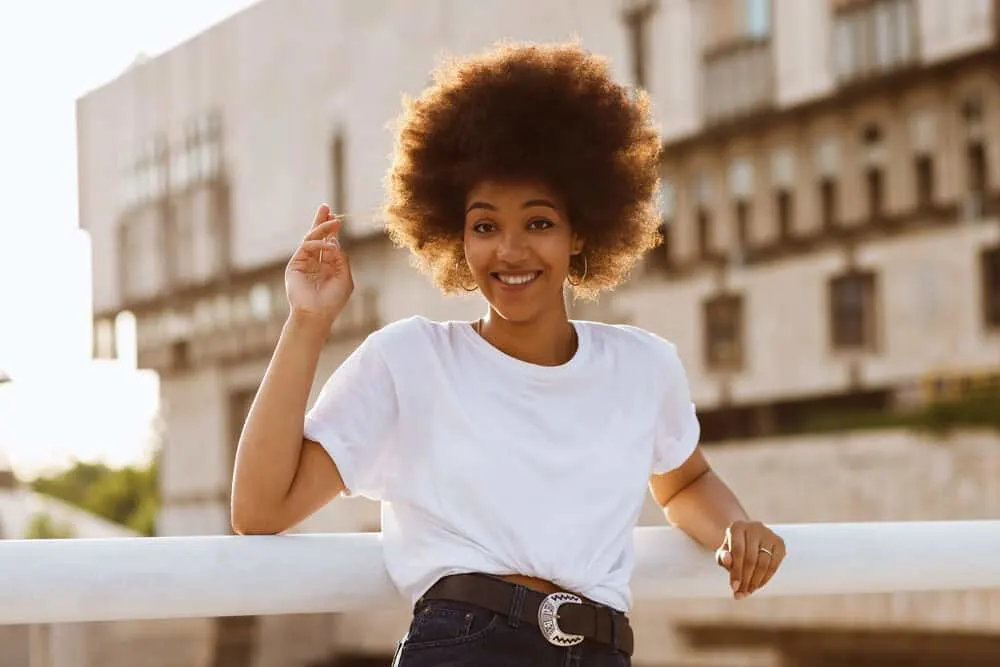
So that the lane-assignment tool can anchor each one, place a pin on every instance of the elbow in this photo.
(251, 521)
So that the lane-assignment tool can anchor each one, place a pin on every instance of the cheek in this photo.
(555, 251)
(477, 253)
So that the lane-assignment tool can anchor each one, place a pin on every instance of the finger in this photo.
(750, 558)
(322, 245)
(764, 561)
(736, 539)
(322, 252)
(327, 229)
(772, 567)
(322, 215)
(724, 554)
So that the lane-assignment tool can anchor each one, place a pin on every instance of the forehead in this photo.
(511, 192)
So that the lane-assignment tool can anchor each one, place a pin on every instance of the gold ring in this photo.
(767, 551)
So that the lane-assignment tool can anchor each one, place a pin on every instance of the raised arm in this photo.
(280, 477)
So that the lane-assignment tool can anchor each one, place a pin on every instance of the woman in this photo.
(513, 452)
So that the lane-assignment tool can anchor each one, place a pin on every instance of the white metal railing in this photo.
(52, 581)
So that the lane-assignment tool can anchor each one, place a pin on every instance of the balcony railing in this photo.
(738, 80)
(234, 325)
(55, 581)
(873, 38)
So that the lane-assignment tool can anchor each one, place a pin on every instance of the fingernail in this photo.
(736, 585)
(740, 596)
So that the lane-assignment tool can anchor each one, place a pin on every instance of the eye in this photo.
(483, 227)
(540, 223)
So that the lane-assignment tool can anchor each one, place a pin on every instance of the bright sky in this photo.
(61, 405)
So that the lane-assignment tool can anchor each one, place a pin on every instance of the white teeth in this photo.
(516, 279)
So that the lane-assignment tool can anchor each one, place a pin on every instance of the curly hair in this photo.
(551, 113)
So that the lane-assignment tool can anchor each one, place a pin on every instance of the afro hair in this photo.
(551, 113)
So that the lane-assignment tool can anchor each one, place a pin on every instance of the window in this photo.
(198, 158)
(730, 21)
(976, 166)
(665, 204)
(875, 187)
(181, 246)
(923, 166)
(143, 270)
(741, 186)
(742, 224)
(990, 263)
(785, 207)
(852, 311)
(637, 16)
(724, 332)
(666, 201)
(145, 179)
(873, 157)
(884, 46)
(843, 42)
(872, 37)
(704, 222)
(738, 65)
(666, 253)
(758, 18)
(260, 301)
(828, 203)
(338, 165)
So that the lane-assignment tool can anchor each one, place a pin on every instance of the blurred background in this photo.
(830, 272)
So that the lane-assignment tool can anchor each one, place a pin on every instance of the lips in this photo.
(515, 279)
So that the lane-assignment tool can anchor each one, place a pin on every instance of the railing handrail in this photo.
(53, 581)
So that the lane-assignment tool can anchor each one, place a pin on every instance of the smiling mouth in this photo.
(519, 279)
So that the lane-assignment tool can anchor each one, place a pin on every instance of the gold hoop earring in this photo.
(458, 267)
(582, 277)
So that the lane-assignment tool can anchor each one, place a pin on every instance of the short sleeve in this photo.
(677, 429)
(354, 420)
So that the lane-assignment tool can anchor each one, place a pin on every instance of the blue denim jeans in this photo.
(456, 634)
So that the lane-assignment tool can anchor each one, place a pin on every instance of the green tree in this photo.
(41, 526)
(127, 496)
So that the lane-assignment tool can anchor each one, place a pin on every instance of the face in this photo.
(518, 244)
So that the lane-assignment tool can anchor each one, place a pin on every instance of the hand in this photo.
(318, 278)
(742, 554)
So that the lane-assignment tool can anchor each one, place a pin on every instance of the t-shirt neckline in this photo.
(521, 366)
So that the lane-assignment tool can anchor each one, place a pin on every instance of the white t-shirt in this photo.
(486, 463)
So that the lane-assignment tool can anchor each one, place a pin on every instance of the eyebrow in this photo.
(528, 204)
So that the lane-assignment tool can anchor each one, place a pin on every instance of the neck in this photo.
(548, 340)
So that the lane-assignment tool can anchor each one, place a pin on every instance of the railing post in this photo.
(40, 645)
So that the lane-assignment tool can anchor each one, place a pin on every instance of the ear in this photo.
(577, 245)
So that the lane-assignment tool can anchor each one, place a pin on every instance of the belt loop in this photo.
(516, 605)
(614, 630)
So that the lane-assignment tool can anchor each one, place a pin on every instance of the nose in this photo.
(513, 247)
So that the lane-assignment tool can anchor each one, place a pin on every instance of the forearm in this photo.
(271, 442)
(704, 509)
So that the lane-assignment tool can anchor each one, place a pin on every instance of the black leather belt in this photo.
(564, 619)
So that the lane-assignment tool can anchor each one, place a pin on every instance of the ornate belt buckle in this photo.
(548, 619)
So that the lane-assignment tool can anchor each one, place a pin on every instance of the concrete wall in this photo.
(277, 126)
(952, 28)
(929, 317)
